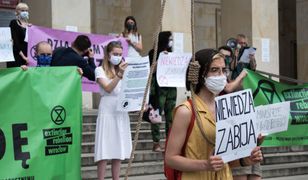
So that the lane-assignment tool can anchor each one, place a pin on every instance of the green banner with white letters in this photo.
(266, 91)
(40, 123)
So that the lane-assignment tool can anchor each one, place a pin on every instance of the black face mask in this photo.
(130, 26)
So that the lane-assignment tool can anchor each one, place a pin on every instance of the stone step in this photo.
(87, 159)
(143, 134)
(143, 144)
(90, 127)
(137, 169)
(286, 169)
(149, 177)
(288, 157)
(150, 168)
(282, 149)
(297, 177)
(90, 116)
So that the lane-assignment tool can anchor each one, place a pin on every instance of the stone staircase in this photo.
(278, 161)
(147, 164)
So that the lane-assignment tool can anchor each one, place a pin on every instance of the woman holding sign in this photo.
(18, 28)
(113, 136)
(190, 147)
(162, 99)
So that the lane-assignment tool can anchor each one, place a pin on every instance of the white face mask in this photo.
(24, 15)
(215, 83)
(170, 44)
(115, 60)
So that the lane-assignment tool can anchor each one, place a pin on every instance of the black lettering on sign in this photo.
(234, 106)
(55, 43)
(18, 142)
(237, 136)
(2, 144)
(96, 49)
(223, 135)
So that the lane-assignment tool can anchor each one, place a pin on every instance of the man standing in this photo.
(239, 66)
(74, 56)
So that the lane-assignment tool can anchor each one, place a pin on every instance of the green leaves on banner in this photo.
(266, 91)
(40, 123)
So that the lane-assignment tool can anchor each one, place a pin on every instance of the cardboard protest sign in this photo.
(171, 69)
(6, 45)
(236, 133)
(134, 83)
(273, 118)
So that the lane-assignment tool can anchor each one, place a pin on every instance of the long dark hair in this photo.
(135, 30)
(205, 57)
(163, 41)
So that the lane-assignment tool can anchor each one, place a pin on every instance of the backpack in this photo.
(172, 174)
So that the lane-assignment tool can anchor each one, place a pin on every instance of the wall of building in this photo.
(302, 39)
(236, 18)
(147, 15)
(208, 24)
(40, 12)
(265, 25)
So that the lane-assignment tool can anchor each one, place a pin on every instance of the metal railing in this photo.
(285, 78)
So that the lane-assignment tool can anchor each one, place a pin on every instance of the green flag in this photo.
(266, 91)
(40, 123)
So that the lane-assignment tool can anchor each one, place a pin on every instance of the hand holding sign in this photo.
(215, 163)
(256, 155)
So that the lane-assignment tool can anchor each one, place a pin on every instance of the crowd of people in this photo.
(220, 73)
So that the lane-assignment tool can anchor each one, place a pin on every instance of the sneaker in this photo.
(157, 148)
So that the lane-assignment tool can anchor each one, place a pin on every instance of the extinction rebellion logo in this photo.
(57, 139)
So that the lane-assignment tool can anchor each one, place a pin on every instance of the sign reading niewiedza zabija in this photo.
(236, 133)
(40, 123)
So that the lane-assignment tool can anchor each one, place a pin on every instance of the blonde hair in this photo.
(106, 65)
(21, 6)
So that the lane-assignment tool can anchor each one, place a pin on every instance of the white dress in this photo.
(113, 136)
(131, 50)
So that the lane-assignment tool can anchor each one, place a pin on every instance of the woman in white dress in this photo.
(132, 36)
(113, 136)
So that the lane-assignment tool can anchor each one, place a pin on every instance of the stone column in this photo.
(302, 39)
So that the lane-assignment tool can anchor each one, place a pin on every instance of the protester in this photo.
(198, 161)
(229, 58)
(113, 136)
(239, 66)
(18, 28)
(161, 98)
(74, 56)
(132, 36)
(43, 53)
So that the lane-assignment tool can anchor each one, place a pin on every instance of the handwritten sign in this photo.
(171, 69)
(273, 118)
(134, 83)
(236, 133)
(6, 45)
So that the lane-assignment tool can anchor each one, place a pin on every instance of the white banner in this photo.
(236, 132)
(133, 84)
(273, 118)
(171, 69)
(6, 45)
